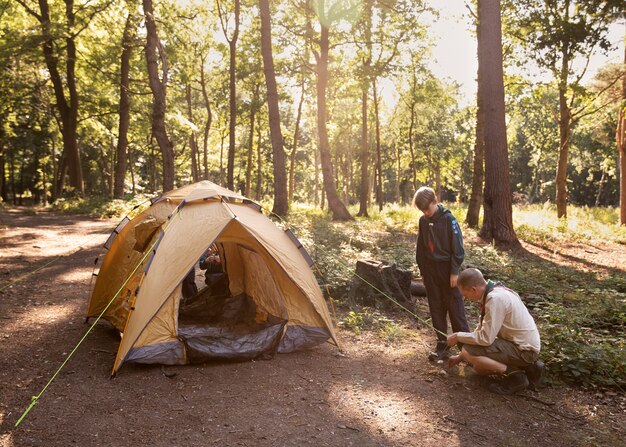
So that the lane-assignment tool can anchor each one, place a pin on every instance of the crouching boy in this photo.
(506, 343)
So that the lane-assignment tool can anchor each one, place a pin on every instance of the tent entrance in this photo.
(216, 323)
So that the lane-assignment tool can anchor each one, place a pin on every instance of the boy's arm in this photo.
(458, 252)
(420, 249)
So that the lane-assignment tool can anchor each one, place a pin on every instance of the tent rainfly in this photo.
(271, 301)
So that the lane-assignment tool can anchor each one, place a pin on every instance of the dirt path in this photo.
(374, 394)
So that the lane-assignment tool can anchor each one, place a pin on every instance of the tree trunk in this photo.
(3, 180)
(621, 142)
(207, 125)
(159, 93)
(600, 187)
(337, 208)
(498, 219)
(379, 163)
(565, 127)
(259, 161)
(281, 203)
(253, 105)
(365, 154)
(193, 145)
(68, 112)
(124, 106)
(232, 87)
(621, 148)
(294, 149)
(364, 196)
(411, 148)
(478, 173)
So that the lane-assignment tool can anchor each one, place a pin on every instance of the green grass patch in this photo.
(373, 320)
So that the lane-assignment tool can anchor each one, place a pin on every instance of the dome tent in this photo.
(139, 285)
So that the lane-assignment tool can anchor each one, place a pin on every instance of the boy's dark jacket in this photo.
(440, 239)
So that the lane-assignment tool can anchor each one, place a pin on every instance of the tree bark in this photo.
(478, 173)
(259, 161)
(364, 196)
(621, 147)
(68, 109)
(498, 219)
(379, 161)
(337, 208)
(193, 144)
(253, 106)
(294, 149)
(565, 128)
(159, 94)
(124, 106)
(281, 203)
(232, 87)
(365, 154)
(411, 147)
(207, 124)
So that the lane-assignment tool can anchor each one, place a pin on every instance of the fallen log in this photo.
(418, 288)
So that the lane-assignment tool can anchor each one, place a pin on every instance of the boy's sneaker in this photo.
(510, 384)
(534, 373)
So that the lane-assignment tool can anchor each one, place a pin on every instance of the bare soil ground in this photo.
(375, 393)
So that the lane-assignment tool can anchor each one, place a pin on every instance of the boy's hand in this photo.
(453, 339)
(453, 279)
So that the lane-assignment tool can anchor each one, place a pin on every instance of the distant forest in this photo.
(289, 100)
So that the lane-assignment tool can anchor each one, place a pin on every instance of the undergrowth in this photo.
(99, 206)
(580, 311)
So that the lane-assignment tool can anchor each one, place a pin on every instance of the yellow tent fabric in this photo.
(152, 254)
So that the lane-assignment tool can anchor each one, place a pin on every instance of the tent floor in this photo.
(224, 327)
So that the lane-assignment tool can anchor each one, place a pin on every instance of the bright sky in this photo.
(455, 51)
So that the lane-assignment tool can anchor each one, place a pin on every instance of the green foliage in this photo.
(98, 206)
(539, 224)
(372, 320)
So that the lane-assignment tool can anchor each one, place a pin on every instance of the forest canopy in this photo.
(116, 97)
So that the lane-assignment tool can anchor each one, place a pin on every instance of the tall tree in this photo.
(621, 146)
(231, 38)
(124, 105)
(281, 204)
(336, 206)
(556, 32)
(498, 218)
(478, 172)
(209, 119)
(65, 90)
(366, 62)
(154, 50)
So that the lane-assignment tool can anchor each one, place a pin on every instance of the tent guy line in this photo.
(35, 399)
(349, 269)
(177, 213)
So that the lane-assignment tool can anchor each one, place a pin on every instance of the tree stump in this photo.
(374, 279)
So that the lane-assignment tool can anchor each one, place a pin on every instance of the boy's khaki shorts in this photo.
(505, 352)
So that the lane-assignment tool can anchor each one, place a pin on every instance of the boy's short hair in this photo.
(424, 197)
(469, 278)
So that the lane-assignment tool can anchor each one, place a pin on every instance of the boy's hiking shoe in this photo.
(534, 373)
(509, 384)
(442, 353)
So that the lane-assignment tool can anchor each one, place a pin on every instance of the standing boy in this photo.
(506, 342)
(439, 255)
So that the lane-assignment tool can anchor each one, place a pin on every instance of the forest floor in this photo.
(374, 393)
